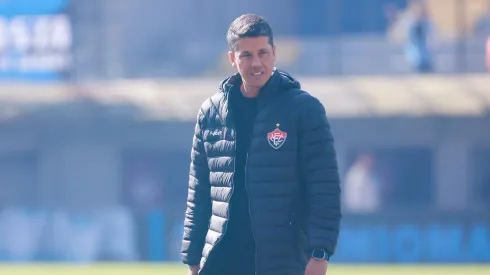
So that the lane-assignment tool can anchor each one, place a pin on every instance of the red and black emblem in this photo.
(277, 137)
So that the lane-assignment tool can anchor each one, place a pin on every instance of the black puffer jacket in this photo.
(291, 176)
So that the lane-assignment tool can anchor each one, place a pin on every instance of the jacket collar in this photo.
(266, 93)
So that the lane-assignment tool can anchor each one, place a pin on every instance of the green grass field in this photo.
(148, 269)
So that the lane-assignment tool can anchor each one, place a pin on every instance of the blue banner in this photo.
(372, 242)
(35, 40)
(414, 243)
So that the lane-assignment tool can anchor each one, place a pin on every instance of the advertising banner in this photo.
(436, 242)
(35, 40)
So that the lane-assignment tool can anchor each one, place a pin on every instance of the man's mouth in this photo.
(257, 74)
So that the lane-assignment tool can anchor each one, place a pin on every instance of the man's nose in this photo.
(256, 62)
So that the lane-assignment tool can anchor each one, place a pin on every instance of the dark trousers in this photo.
(231, 257)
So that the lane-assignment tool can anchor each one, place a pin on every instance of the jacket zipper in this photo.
(250, 213)
(229, 215)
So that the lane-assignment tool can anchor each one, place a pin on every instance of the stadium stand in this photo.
(451, 21)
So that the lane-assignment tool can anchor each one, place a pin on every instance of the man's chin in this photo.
(255, 84)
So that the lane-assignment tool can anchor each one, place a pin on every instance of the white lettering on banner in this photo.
(35, 43)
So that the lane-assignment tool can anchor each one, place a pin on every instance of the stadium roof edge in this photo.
(179, 99)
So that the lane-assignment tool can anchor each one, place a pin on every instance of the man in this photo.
(420, 32)
(264, 195)
(488, 53)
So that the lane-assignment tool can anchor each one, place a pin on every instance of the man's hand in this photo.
(194, 269)
(316, 267)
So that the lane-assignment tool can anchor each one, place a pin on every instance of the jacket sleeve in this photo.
(198, 210)
(320, 176)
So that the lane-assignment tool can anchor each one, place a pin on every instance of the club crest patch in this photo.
(277, 138)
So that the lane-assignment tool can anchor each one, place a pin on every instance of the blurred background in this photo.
(98, 100)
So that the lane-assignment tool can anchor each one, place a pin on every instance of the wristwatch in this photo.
(320, 254)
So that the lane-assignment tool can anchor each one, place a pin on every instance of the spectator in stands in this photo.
(419, 28)
(362, 188)
(416, 29)
(487, 53)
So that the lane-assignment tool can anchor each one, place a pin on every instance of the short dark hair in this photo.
(248, 25)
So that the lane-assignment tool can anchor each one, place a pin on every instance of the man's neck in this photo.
(249, 92)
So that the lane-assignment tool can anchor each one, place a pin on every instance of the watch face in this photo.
(319, 254)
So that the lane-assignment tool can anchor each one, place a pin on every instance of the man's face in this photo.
(254, 59)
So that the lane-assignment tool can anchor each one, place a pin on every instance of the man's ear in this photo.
(231, 56)
(274, 50)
